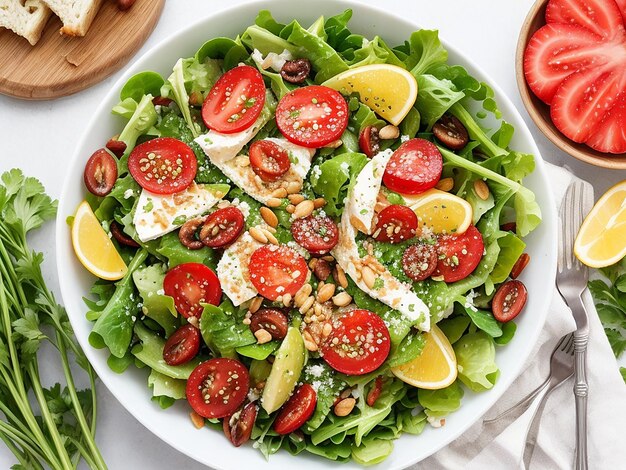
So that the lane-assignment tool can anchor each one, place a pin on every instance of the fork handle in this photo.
(581, 390)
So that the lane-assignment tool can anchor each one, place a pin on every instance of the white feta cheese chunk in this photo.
(272, 60)
(158, 214)
(233, 270)
(224, 147)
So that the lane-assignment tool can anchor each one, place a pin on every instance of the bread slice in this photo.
(76, 15)
(26, 18)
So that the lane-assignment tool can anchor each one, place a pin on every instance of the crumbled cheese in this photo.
(316, 172)
(436, 422)
(316, 370)
(404, 138)
(128, 193)
(160, 292)
(469, 300)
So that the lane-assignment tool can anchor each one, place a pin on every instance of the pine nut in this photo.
(197, 420)
(269, 217)
(293, 187)
(340, 277)
(334, 144)
(345, 406)
(263, 336)
(295, 198)
(290, 208)
(325, 293)
(319, 202)
(279, 193)
(287, 300)
(258, 234)
(345, 393)
(445, 184)
(273, 202)
(270, 237)
(389, 132)
(302, 295)
(310, 346)
(304, 209)
(327, 330)
(255, 305)
(242, 160)
(342, 299)
(369, 277)
(307, 304)
(328, 258)
(246, 321)
(312, 263)
(481, 189)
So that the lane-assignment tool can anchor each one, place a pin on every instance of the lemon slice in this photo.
(93, 247)
(440, 211)
(601, 240)
(434, 368)
(390, 91)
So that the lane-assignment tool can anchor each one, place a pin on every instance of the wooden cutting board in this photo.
(60, 65)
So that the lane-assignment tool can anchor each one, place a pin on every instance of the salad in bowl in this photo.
(309, 235)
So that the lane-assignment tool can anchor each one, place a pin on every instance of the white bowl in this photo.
(173, 425)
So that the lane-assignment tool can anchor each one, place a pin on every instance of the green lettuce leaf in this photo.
(223, 330)
(435, 97)
(158, 306)
(476, 361)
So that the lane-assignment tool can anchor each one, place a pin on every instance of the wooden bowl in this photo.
(540, 112)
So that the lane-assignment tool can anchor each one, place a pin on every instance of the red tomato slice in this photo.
(191, 284)
(621, 4)
(238, 428)
(318, 234)
(395, 224)
(218, 387)
(419, 261)
(297, 410)
(358, 344)
(312, 116)
(575, 105)
(603, 17)
(163, 166)
(269, 160)
(235, 101)
(277, 270)
(229, 222)
(182, 346)
(509, 300)
(610, 135)
(459, 255)
(414, 167)
(100, 173)
(556, 51)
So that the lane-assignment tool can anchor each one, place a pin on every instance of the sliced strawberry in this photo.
(583, 99)
(621, 4)
(557, 50)
(610, 135)
(603, 17)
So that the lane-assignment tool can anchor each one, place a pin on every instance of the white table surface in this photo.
(39, 138)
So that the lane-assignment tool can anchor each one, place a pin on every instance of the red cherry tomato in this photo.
(375, 391)
(419, 261)
(192, 284)
(269, 160)
(232, 221)
(318, 234)
(100, 173)
(395, 224)
(163, 166)
(520, 265)
(358, 344)
(459, 255)
(161, 101)
(235, 101)
(509, 300)
(369, 142)
(277, 270)
(238, 429)
(312, 116)
(218, 387)
(297, 410)
(414, 167)
(182, 346)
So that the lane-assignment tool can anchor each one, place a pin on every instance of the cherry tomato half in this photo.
(318, 234)
(459, 255)
(358, 344)
(414, 167)
(419, 261)
(192, 284)
(509, 300)
(312, 116)
(182, 346)
(238, 427)
(235, 101)
(163, 165)
(218, 387)
(277, 270)
(297, 410)
(231, 219)
(269, 160)
(369, 142)
(396, 224)
(100, 173)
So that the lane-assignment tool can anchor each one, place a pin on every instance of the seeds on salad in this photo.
(279, 193)
(270, 236)
(197, 420)
(369, 277)
(255, 304)
(269, 217)
(273, 202)
(445, 184)
(242, 161)
(334, 144)
(326, 292)
(342, 299)
(296, 198)
(389, 132)
(262, 336)
(304, 209)
(481, 189)
(319, 202)
(287, 300)
(307, 304)
(293, 187)
(344, 407)
(290, 208)
(340, 276)
(258, 235)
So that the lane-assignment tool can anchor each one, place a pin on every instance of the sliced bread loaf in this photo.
(76, 15)
(24, 17)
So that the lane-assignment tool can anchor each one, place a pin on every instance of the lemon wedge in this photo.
(390, 91)
(601, 240)
(93, 247)
(440, 211)
(434, 368)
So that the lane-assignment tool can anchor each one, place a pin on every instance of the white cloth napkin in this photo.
(500, 445)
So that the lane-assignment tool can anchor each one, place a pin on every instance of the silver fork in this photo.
(571, 281)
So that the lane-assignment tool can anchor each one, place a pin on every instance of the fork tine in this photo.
(568, 343)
